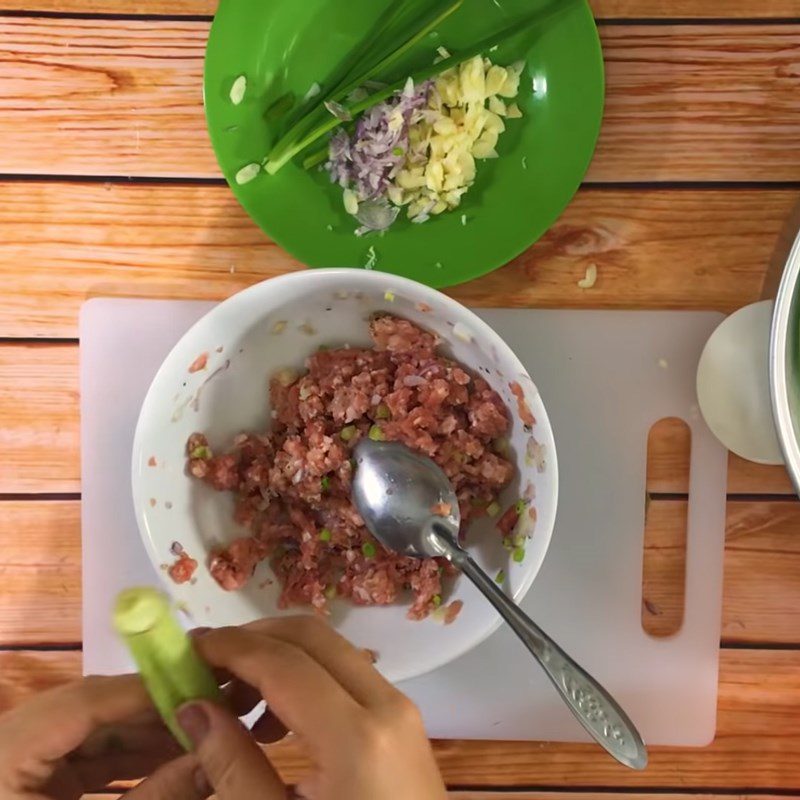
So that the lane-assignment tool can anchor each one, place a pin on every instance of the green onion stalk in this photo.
(290, 146)
(168, 663)
(351, 78)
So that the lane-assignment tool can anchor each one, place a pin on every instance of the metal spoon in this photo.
(395, 490)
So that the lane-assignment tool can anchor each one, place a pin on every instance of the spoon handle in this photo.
(591, 704)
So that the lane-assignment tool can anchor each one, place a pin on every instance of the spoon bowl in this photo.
(396, 492)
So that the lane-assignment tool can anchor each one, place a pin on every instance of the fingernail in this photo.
(204, 788)
(194, 721)
(196, 633)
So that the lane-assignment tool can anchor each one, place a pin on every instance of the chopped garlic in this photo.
(591, 277)
(313, 91)
(350, 201)
(246, 174)
(238, 89)
(513, 111)
(497, 106)
(495, 80)
(444, 145)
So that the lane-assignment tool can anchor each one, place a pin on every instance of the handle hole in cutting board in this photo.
(669, 445)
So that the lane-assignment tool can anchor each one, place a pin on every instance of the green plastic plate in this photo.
(288, 45)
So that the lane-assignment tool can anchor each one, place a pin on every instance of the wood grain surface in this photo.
(603, 9)
(758, 735)
(602, 795)
(598, 795)
(39, 430)
(124, 97)
(40, 570)
(39, 418)
(689, 203)
(654, 248)
(672, 9)
(40, 550)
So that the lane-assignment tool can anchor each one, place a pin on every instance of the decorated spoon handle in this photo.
(591, 704)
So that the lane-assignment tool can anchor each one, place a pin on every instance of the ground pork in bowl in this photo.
(242, 466)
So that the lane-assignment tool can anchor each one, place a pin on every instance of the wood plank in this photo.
(762, 551)
(603, 9)
(40, 570)
(758, 735)
(689, 9)
(688, 103)
(600, 795)
(64, 242)
(24, 673)
(605, 795)
(664, 567)
(40, 551)
(757, 738)
(761, 603)
(39, 418)
(39, 427)
(123, 97)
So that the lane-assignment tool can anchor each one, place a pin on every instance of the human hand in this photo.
(79, 737)
(365, 738)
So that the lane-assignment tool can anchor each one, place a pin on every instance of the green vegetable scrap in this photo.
(346, 434)
(376, 434)
(368, 549)
(325, 535)
(170, 667)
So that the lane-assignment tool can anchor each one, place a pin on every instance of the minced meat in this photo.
(292, 484)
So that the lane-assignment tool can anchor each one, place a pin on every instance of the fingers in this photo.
(299, 690)
(80, 708)
(182, 779)
(228, 755)
(340, 658)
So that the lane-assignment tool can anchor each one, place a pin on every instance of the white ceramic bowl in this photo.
(329, 307)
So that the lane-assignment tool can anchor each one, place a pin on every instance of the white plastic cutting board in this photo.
(605, 377)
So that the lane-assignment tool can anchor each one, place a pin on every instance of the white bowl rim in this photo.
(368, 278)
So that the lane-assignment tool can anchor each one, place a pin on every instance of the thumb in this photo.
(230, 758)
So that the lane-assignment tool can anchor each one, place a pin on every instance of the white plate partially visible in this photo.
(228, 396)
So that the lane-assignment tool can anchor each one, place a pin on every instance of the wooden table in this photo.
(108, 187)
